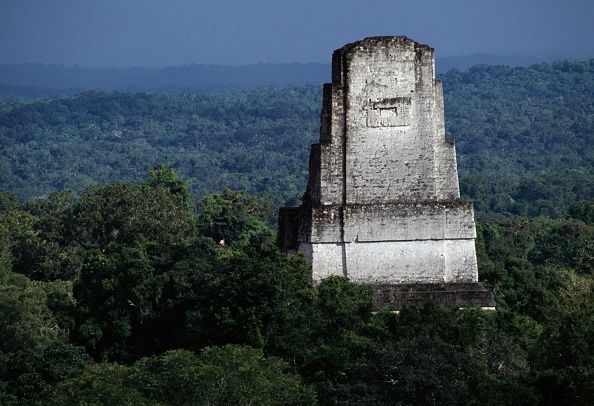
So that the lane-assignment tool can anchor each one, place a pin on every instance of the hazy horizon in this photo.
(156, 33)
(523, 60)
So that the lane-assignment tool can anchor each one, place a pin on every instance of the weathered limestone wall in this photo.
(390, 222)
(383, 202)
(428, 261)
(389, 159)
(388, 144)
(329, 188)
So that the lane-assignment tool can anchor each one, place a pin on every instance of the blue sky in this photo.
(176, 32)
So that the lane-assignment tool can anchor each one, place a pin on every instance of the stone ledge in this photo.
(395, 221)
(397, 296)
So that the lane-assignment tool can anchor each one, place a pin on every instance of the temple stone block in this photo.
(382, 204)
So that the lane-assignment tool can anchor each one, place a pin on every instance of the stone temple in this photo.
(382, 204)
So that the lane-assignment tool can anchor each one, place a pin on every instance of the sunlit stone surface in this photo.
(382, 204)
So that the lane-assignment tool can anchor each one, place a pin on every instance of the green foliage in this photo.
(37, 238)
(546, 303)
(5, 245)
(185, 292)
(159, 210)
(46, 239)
(241, 375)
(34, 349)
(130, 272)
(526, 262)
(244, 140)
(9, 201)
(230, 375)
(565, 355)
(523, 136)
(33, 371)
(249, 294)
(60, 301)
(141, 273)
(98, 384)
(26, 320)
(232, 217)
(421, 371)
(128, 287)
(584, 211)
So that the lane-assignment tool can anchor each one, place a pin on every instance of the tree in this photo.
(165, 177)
(250, 291)
(584, 211)
(98, 384)
(158, 211)
(26, 320)
(39, 238)
(219, 376)
(34, 350)
(232, 217)
(9, 201)
(565, 355)
(118, 290)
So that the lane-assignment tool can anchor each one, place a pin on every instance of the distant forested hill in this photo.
(250, 140)
(525, 138)
(33, 80)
